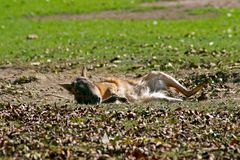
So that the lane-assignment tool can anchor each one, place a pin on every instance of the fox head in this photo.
(84, 90)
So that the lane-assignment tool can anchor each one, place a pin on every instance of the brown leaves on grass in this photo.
(65, 131)
(138, 131)
(222, 84)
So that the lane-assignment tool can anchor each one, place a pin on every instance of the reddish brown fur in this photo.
(146, 88)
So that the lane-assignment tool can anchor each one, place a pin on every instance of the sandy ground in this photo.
(31, 85)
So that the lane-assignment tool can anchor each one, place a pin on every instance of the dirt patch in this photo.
(43, 89)
(194, 3)
(176, 13)
(171, 10)
(29, 85)
(39, 126)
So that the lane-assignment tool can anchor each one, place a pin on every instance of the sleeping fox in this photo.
(144, 89)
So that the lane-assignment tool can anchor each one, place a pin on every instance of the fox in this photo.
(149, 87)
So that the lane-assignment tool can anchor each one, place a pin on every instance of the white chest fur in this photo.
(156, 84)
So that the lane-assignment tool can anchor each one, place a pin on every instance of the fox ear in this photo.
(84, 71)
(67, 86)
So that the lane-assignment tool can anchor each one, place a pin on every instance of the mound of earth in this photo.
(29, 85)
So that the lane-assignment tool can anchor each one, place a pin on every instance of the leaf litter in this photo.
(35, 125)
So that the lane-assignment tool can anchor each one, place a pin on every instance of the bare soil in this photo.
(30, 85)
(16, 86)
(175, 9)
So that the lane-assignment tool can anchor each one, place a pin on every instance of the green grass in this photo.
(160, 129)
(209, 9)
(140, 40)
(35, 7)
(97, 39)
(71, 39)
(13, 8)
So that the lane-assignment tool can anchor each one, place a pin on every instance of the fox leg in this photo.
(113, 97)
(160, 96)
(161, 81)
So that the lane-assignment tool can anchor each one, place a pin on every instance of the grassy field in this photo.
(205, 46)
(142, 39)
